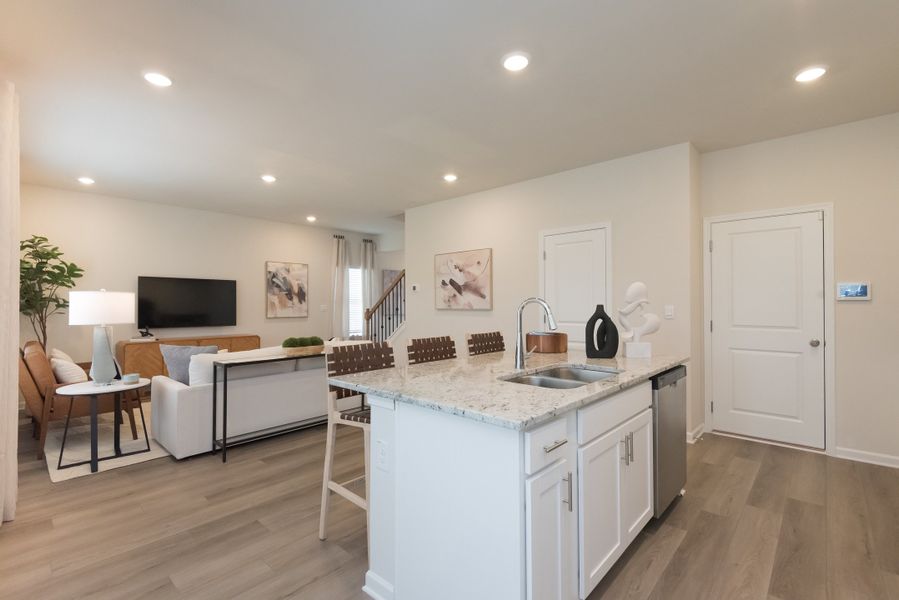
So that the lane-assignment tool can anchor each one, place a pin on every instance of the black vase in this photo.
(602, 341)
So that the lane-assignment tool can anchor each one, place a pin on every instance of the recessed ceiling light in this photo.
(85, 181)
(157, 79)
(450, 177)
(311, 218)
(810, 74)
(268, 178)
(516, 61)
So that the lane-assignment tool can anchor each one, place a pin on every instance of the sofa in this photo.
(260, 397)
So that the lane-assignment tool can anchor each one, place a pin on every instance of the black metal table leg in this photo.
(215, 400)
(224, 413)
(95, 465)
(65, 433)
(117, 435)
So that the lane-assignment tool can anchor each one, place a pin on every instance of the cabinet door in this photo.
(636, 484)
(600, 466)
(549, 533)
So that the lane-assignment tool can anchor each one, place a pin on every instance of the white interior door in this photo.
(575, 277)
(767, 355)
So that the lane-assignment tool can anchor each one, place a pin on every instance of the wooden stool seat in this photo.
(359, 415)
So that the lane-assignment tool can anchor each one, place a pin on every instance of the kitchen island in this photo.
(486, 488)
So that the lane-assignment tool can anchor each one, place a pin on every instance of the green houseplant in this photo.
(303, 346)
(42, 275)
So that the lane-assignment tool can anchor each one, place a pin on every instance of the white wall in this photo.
(115, 240)
(395, 260)
(647, 199)
(855, 167)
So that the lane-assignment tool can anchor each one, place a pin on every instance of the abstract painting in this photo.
(286, 290)
(388, 276)
(464, 280)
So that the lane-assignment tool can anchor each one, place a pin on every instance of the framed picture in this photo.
(464, 280)
(388, 276)
(286, 290)
(857, 290)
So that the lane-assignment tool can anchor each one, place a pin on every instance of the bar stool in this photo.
(423, 350)
(344, 360)
(485, 343)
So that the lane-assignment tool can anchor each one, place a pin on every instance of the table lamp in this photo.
(101, 309)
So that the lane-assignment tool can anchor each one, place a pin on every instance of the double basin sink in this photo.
(564, 377)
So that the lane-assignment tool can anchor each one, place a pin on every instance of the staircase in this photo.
(388, 314)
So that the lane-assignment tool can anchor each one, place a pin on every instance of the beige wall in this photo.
(856, 168)
(646, 198)
(115, 240)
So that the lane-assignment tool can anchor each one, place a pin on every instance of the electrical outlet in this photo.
(381, 455)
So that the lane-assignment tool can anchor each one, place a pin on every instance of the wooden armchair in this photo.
(38, 386)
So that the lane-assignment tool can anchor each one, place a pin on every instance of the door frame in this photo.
(541, 264)
(830, 414)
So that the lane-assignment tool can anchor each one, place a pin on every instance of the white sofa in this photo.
(259, 397)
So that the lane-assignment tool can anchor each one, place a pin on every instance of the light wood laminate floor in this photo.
(758, 521)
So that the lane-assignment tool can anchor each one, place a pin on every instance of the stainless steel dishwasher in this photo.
(669, 419)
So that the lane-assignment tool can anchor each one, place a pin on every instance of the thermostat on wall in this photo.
(856, 290)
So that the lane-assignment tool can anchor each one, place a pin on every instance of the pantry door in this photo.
(575, 269)
(767, 327)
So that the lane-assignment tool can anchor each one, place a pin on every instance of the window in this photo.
(356, 318)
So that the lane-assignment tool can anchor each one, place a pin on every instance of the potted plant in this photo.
(42, 275)
(303, 346)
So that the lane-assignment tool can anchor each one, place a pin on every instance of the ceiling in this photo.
(360, 107)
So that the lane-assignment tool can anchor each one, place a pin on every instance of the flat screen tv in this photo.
(178, 302)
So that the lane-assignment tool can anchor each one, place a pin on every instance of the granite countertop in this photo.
(472, 387)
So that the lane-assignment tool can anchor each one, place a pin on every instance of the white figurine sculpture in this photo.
(635, 299)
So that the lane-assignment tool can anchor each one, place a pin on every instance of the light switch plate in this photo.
(414, 287)
(323, 307)
(669, 311)
(381, 455)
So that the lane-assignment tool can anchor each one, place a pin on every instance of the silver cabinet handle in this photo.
(554, 446)
(814, 343)
(570, 501)
(626, 456)
(630, 437)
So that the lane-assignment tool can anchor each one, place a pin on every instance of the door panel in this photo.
(599, 519)
(636, 486)
(548, 534)
(767, 280)
(575, 278)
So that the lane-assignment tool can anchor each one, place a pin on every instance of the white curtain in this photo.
(339, 307)
(9, 299)
(367, 265)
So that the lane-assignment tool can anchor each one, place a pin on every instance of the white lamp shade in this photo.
(101, 308)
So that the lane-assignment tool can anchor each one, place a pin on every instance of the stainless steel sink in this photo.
(546, 382)
(576, 374)
(563, 377)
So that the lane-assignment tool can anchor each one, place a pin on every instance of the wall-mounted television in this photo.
(179, 302)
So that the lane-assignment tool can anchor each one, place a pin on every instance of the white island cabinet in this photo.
(518, 493)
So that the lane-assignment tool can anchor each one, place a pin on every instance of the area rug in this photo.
(78, 445)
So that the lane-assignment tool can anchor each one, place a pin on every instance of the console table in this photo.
(225, 366)
(146, 359)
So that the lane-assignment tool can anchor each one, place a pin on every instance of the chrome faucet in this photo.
(519, 336)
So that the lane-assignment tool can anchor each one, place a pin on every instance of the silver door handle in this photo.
(555, 445)
(814, 343)
(626, 456)
(570, 500)
(630, 436)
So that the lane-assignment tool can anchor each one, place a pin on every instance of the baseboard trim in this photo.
(874, 458)
(694, 435)
(377, 587)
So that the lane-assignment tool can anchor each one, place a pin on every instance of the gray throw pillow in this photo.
(177, 359)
